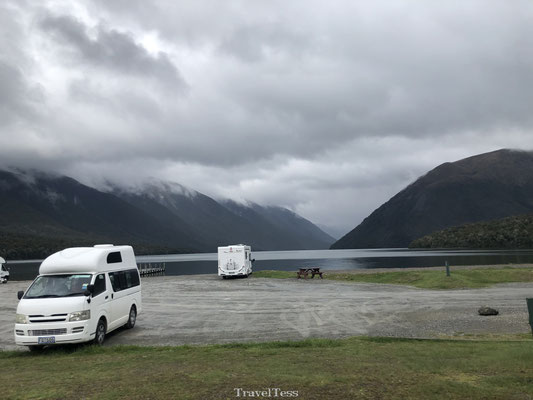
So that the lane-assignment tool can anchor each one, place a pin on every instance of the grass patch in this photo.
(364, 368)
(430, 279)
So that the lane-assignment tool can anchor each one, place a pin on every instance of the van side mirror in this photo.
(89, 290)
(253, 259)
(20, 293)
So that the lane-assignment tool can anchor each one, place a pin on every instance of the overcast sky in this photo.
(327, 108)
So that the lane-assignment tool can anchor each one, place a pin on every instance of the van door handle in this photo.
(111, 295)
(107, 297)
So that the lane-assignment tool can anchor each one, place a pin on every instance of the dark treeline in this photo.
(507, 233)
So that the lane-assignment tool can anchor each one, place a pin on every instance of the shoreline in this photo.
(358, 271)
(440, 268)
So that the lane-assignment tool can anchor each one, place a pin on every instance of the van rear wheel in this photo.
(132, 318)
(99, 336)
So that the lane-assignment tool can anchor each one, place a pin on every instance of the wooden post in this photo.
(447, 269)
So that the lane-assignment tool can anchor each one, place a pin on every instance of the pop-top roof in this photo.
(99, 258)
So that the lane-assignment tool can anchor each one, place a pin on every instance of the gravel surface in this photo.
(199, 309)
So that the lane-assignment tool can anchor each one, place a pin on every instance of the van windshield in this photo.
(58, 286)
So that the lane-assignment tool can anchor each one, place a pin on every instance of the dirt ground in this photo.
(197, 309)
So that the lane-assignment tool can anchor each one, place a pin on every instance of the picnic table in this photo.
(304, 272)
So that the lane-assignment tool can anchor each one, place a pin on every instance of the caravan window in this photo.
(121, 280)
(114, 257)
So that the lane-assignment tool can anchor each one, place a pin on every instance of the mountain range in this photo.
(40, 212)
(480, 188)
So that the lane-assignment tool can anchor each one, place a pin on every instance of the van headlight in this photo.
(79, 315)
(21, 319)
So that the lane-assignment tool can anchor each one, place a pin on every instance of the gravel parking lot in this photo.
(197, 309)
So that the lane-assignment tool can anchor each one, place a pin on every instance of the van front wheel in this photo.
(132, 318)
(99, 336)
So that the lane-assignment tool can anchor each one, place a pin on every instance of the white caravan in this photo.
(4, 272)
(81, 294)
(235, 260)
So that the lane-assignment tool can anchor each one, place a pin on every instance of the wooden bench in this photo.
(304, 272)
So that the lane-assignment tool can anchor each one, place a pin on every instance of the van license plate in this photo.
(46, 340)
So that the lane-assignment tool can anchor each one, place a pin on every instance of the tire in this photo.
(99, 335)
(132, 318)
(36, 348)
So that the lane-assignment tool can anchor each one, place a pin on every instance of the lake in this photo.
(206, 263)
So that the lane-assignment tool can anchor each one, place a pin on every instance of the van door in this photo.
(119, 310)
(100, 300)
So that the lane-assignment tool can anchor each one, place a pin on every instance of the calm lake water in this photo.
(206, 263)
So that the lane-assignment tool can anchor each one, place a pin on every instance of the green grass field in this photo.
(355, 368)
(430, 279)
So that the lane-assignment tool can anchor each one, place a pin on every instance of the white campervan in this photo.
(81, 293)
(235, 260)
(4, 272)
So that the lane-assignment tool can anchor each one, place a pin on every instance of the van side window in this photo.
(121, 280)
(127, 275)
(112, 279)
(114, 257)
(115, 280)
(134, 275)
(99, 285)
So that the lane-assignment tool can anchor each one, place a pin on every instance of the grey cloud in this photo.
(113, 50)
(255, 43)
(19, 100)
(127, 103)
(327, 108)
(363, 69)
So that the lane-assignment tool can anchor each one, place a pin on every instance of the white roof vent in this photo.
(103, 246)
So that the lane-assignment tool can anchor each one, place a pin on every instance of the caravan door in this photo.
(101, 300)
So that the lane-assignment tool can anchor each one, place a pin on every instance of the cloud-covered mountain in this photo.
(60, 207)
(479, 188)
(225, 221)
(54, 210)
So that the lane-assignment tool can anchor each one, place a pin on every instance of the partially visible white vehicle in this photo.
(234, 260)
(81, 294)
(4, 272)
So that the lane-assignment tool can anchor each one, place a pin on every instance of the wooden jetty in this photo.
(151, 269)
